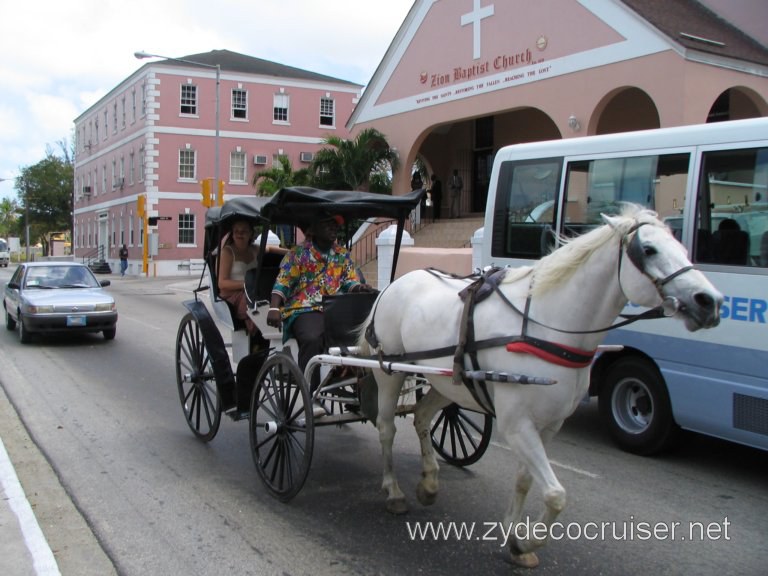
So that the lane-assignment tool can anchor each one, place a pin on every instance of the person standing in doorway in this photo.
(437, 196)
(123, 259)
(457, 185)
(416, 182)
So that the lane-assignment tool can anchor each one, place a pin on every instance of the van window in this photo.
(525, 211)
(600, 186)
(732, 213)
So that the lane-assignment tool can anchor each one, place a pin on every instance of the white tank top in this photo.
(239, 268)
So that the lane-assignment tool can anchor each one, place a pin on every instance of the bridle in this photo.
(636, 255)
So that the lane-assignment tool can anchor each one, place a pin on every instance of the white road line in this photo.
(137, 321)
(42, 556)
(575, 470)
(556, 463)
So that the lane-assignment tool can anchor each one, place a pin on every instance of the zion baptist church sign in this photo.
(449, 51)
(498, 63)
(501, 62)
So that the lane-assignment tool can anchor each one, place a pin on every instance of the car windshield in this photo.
(46, 277)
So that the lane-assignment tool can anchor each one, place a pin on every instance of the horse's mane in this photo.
(560, 265)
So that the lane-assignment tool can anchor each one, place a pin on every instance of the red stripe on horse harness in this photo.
(555, 353)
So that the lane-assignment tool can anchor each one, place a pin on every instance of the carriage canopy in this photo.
(300, 205)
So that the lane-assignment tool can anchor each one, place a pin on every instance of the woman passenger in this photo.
(239, 255)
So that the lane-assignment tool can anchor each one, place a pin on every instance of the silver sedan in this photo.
(48, 297)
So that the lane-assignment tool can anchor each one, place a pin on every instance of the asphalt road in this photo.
(106, 415)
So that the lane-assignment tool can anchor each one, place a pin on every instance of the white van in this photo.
(709, 183)
(5, 255)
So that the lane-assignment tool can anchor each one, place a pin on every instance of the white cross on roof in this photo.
(474, 18)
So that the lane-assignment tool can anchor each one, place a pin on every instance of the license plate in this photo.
(73, 320)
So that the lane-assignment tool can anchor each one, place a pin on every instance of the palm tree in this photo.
(352, 164)
(269, 181)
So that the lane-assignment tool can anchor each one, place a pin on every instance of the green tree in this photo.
(9, 214)
(269, 181)
(364, 163)
(45, 195)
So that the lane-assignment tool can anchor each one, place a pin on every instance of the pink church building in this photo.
(154, 135)
(463, 78)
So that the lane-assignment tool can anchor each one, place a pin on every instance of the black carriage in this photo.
(257, 378)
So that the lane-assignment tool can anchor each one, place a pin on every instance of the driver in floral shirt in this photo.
(318, 267)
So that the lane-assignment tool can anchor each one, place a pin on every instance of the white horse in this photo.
(566, 298)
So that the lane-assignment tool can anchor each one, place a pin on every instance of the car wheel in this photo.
(10, 323)
(24, 336)
(634, 405)
(110, 334)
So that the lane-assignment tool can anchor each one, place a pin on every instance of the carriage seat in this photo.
(257, 289)
(343, 314)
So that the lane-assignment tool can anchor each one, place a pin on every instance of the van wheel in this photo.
(634, 405)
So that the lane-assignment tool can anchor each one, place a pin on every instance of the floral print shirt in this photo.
(307, 274)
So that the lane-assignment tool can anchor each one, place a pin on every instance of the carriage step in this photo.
(505, 377)
(239, 415)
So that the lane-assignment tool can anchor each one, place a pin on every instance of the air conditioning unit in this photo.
(119, 182)
(306, 156)
(86, 191)
(260, 160)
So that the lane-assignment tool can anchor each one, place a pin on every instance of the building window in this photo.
(280, 107)
(142, 166)
(114, 118)
(239, 104)
(114, 174)
(143, 99)
(106, 124)
(186, 164)
(188, 99)
(186, 228)
(131, 167)
(124, 112)
(327, 112)
(133, 105)
(130, 230)
(237, 167)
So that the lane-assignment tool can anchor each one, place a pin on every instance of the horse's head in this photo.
(654, 270)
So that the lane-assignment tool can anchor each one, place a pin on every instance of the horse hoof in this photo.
(525, 560)
(397, 507)
(425, 497)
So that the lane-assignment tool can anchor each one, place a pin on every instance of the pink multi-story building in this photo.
(155, 135)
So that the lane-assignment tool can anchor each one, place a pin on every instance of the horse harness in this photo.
(486, 284)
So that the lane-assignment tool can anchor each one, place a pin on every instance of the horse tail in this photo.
(365, 335)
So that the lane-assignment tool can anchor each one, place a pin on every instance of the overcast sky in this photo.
(61, 56)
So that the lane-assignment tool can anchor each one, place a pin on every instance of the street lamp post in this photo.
(141, 55)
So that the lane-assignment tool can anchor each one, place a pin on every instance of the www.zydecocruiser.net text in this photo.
(631, 530)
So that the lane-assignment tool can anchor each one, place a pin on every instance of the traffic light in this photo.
(206, 192)
(221, 192)
(141, 205)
